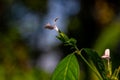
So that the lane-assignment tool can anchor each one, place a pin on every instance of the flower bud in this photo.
(106, 54)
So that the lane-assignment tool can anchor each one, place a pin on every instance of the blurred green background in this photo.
(30, 52)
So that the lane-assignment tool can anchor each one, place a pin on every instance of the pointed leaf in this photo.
(97, 61)
(67, 69)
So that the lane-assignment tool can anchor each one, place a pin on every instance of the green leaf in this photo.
(67, 69)
(97, 61)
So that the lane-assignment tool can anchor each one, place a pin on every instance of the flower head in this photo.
(106, 54)
(48, 26)
(107, 57)
(52, 27)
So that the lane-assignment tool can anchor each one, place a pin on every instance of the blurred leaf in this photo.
(2, 73)
(97, 61)
(109, 38)
(67, 69)
(32, 74)
(18, 77)
(40, 74)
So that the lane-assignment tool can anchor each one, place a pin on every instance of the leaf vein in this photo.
(66, 69)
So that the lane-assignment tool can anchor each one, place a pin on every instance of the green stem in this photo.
(118, 70)
(76, 48)
(79, 53)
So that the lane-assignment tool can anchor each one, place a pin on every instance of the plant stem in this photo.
(118, 71)
(79, 53)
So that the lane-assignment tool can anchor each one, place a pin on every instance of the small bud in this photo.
(107, 57)
(107, 54)
(56, 19)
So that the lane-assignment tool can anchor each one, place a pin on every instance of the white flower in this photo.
(48, 26)
(52, 27)
(107, 57)
(56, 28)
(106, 54)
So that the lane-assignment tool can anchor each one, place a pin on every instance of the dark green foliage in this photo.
(97, 61)
(67, 41)
(62, 37)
